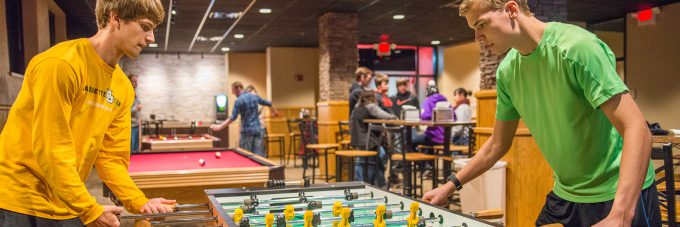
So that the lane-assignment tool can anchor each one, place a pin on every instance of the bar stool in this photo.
(327, 148)
(351, 155)
(309, 138)
(410, 161)
(278, 138)
(294, 140)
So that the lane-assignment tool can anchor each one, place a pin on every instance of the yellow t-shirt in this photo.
(72, 113)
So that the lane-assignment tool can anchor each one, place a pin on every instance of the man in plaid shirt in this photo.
(251, 130)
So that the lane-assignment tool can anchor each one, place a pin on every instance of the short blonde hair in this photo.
(129, 10)
(492, 5)
(360, 72)
(380, 78)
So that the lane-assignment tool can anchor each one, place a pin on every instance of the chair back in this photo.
(343, 131)
(293, 125)
(666, 198)
(309, 132)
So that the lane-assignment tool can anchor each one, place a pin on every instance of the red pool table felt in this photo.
(146, 162)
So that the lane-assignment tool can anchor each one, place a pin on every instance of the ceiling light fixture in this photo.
(225, 49)
(239, 36)
(265, 10)
(153, 45)
(398, 17)
(435, 42)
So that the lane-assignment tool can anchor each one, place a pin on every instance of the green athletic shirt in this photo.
(557, 90)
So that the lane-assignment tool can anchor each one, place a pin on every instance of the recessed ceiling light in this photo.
(398, 17)
(174, 12)
(239, 36)
(224, 15)
(265, 10)
(153, 45)
(225, 49)
(435, 42)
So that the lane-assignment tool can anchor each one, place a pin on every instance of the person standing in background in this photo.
(362, 77)
(381, 88)
(135, 114)
(404, 97)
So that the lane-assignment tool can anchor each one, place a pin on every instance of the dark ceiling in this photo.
(294, 23)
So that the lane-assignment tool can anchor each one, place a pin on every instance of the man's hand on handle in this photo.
(109, 218)
(440, 195)
(158, 205)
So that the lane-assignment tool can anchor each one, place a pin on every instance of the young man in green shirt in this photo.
(561, 80)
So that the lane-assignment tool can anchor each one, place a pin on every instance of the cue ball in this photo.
(201, 161)
(218, 154)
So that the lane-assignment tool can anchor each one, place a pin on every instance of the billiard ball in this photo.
(218, 154)
(190, 137)
(176, 138)
(201, 162)
(162, 137)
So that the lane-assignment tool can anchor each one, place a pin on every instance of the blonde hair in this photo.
(360, 72)
(492, 5)
(380, 78)
(129, 10)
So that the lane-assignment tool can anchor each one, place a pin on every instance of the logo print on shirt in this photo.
(109, 96)
(400, 102)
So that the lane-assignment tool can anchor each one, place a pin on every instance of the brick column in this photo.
(338, 59)
(338, 39)
(544, 10)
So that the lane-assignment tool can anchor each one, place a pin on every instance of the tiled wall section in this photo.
(182, 88)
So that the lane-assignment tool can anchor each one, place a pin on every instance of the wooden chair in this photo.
(398, 153)
(342, 136)
(666, 184)
(294, 140)
(309, 138)
(277, 138)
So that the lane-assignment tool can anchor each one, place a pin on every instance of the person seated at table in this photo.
(367, 108)
(462, 112)
(434, 135)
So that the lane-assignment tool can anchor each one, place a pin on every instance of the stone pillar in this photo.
(544, 10)
(338, 39)
(338, 59)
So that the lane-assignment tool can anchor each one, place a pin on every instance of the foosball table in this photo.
(340, 204)
(337, 204)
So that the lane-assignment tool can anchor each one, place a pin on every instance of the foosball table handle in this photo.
(495, 213)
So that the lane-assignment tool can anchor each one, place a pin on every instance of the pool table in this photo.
(179, 175)
(154, 143)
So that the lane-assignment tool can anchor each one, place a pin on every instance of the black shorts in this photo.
(558, 210)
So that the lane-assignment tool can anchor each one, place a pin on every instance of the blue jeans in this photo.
(375, 178)
(134, 140)
(252, 143)
(9, 218)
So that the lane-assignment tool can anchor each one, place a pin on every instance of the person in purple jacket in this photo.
(433, 135)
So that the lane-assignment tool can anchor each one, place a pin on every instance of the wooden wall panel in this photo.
(330, 114)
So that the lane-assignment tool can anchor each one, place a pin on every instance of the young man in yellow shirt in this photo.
(73, 113)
